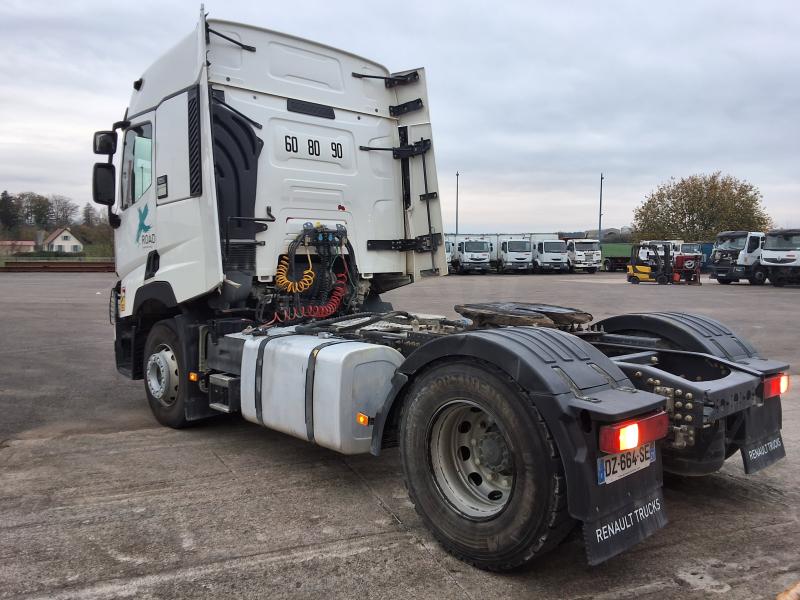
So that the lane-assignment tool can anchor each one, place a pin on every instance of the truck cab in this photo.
(584, 254)
(472, 254)
(514, 254)
(781, 256)
(550, 255)
(736, 256)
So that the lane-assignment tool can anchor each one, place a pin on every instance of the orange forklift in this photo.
(652, 263)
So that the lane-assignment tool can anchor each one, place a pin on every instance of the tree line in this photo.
(22, 215)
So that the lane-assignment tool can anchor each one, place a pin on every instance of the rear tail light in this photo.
(776, 385)
(634, 433)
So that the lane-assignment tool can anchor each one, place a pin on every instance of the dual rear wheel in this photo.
(481, 467)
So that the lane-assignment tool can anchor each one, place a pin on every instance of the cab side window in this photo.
(540, 246)
(137, 163)
(570, 247)
(752, 244)
(503, 247)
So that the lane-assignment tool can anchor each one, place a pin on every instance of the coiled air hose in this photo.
(283, 281)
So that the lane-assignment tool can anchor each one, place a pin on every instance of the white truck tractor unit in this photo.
(266, 191)
(514, 253)
(584, 254)
(550, 255)
(781, 256)
(737, 255)
(472, 253)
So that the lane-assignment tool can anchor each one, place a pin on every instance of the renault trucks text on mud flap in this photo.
(781, 256)
(737, 255)
(270, 188)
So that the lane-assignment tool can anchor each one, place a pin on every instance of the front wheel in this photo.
(724, 281)
(481, 467)
(759, 277)
(592, 270)
(165, 380)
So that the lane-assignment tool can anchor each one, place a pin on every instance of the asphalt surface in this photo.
(98, 501)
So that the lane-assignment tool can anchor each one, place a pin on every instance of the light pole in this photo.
(600, 217)
(456, 202)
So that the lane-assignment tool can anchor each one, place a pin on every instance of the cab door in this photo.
(136, 236)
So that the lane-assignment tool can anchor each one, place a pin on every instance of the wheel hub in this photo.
(471, 461)
(493, 452)
(162, 375)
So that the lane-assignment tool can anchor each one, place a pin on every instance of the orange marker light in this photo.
(194, 376)
(362, 419)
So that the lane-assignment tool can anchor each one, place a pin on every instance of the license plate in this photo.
(612, 467)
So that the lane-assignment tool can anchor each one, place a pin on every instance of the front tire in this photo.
(481, 467)
(592, 270)
(165, 381)
(759, 277)
(724, 281)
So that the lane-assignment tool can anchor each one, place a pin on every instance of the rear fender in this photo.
(575, 388)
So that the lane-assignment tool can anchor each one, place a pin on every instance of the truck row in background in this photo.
(756, 257)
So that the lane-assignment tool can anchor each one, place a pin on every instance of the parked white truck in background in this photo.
(584, 254)
(737, 255)
(514, 253)
(472, 254)
(251, 249)
(550, 255)
(781, 256)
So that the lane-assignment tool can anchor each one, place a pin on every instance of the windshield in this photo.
(587, 246)
(731, 243)
(519, 246)
(555, 246)
(690, 248)
(786, 241)
(476, 246)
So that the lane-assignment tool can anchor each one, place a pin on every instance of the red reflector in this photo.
(634, 433)
(775, 385)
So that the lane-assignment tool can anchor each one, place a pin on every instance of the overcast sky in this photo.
(530, 101)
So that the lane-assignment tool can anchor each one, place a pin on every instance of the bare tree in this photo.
(62, 210)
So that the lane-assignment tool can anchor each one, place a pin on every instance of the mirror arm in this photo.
(113, 218)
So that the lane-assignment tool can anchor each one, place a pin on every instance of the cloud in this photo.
(530, 101)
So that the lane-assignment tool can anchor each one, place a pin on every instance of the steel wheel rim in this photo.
(162, 375)
(470, 460)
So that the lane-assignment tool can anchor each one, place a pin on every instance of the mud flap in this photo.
(617, 531)
(761, 443)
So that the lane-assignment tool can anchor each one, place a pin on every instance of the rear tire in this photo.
(633, 279)
(608, 266)
(481, 467)
(662, 280)
(165, 381)
(724, 281)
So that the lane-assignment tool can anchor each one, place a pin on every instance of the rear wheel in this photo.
(633, 279)
(608, 266)
(778, 283)
(165, 376)
(724, 281)
(662, 279)
(481, 467)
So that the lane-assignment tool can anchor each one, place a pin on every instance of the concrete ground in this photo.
(98, 501)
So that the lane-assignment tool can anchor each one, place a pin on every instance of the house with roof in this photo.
(62, 240)
(10, 247)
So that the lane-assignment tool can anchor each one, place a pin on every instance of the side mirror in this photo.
(103, 178)
(105, 142)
